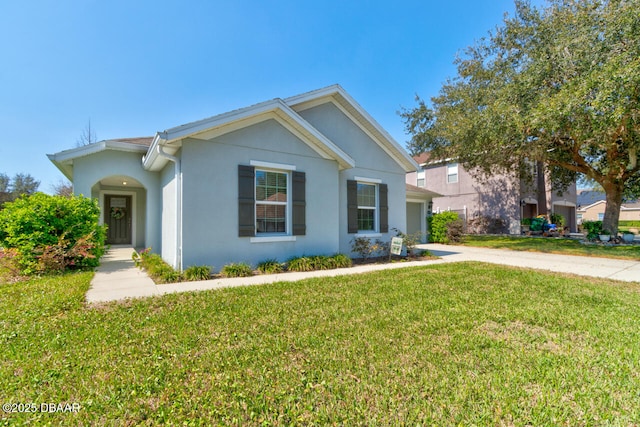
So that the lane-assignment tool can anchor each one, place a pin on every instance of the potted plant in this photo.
(628, 236)
(604, 236)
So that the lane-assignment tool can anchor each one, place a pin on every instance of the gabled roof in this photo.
(284, 111)
(589, 197)
(359, 115)
(64, 159)
(226, 122)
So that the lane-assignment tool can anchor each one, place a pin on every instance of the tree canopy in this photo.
(559, 85)
(12, 188)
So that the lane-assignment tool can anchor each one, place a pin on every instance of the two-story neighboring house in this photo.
(493, 205)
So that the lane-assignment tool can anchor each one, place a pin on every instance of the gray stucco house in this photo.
(286, 177)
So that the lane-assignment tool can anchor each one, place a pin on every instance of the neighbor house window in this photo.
(367, 207)
(600, 216)
(272, 202)
(452, 173)
(421, 179)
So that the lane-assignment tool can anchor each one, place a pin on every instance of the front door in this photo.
(117, 217)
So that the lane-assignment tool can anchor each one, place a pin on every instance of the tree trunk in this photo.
(612, 211)
(541, 189)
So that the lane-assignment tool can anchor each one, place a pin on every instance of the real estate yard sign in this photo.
(396, 245)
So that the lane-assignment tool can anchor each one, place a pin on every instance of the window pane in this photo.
(366, 195)
(366, 221)
(271, 218)
(271, 186)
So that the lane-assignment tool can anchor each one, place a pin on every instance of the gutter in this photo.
(178, 177)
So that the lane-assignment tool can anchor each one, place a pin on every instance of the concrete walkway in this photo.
(118, 278)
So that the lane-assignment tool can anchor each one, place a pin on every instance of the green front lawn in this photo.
(455, 344)
(558, 245)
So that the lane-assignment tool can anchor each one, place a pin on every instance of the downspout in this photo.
(178, 176)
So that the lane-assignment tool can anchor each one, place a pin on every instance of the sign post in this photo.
(396, 246)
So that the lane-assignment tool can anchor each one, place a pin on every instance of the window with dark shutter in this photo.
(246, 201)
(298, 199)
(352, 206)
(384, 208)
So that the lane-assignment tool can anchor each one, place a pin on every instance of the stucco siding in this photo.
(343, 132)
(168, 228)
(88, 171)
(210, 196)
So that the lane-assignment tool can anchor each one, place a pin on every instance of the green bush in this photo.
(342, 261)
(301, 263)
(156, 267)
(198, 272)
(52, 233)
(270, 266)
(241, 269)
(593, 229)
(558, 220)
(438, 226)
(318, 262)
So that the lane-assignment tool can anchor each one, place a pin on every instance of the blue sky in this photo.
(137, 67)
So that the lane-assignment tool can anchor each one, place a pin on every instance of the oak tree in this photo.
(558, 84)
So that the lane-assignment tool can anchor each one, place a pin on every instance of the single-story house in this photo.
(629, 211)
(282, 178)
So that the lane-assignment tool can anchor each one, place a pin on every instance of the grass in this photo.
(455, 344)
(553, 245)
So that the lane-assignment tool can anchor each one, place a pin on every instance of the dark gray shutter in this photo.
(352, 206)
(298, 197)
(384, 208)
(246, 201)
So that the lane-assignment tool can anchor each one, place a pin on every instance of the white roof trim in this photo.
(64, 159)
(274, 109)
(360, 117)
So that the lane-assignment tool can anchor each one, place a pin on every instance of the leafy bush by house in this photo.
(197, 272)
(366, 248)
(156, 267)
(455, 231)
(318, 262)
(341, 261)
(241, 269)
(270, 266)
(438, 226)
(301, 263)
(557, 219)
(593, 229)
(52, 233)
(490, 225)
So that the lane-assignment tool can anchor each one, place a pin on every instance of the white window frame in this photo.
(452, 171)
(421, 176)
(274, 236)
(376, 210)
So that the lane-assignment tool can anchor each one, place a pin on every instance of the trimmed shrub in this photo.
(593, 229)
(342, 261)
(629, 223)
(241, 269)
(198, 272)
(270, 266)
(159, 271)
(301, 263)
(455, 231)
(557, 219)
(438, 226)
(490, 225)
(53, 233)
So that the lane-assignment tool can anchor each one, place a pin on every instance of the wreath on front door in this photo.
(118, 213)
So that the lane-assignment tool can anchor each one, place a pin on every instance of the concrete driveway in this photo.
(625, 270)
